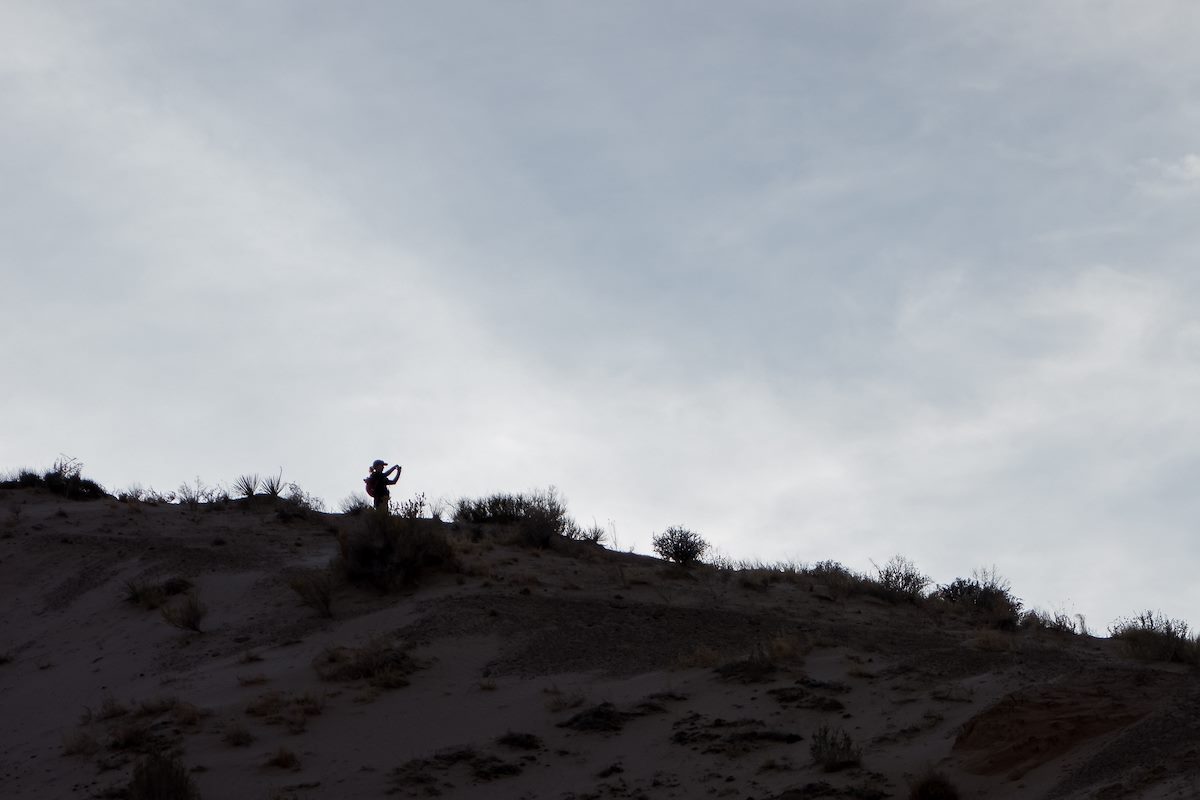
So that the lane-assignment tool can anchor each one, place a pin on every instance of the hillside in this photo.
(568, 672)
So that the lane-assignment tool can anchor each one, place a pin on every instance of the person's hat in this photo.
(379, 462)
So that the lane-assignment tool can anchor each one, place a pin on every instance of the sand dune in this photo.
(571, 672)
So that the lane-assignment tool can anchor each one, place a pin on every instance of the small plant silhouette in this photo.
(833, 749)
(680, 545)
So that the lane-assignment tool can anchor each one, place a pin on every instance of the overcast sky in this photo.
(818, 280)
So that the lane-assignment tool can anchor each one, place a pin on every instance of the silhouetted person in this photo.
(378, 482)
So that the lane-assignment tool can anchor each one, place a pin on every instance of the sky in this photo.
(839, 279)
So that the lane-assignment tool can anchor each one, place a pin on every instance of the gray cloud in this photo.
(830, 281)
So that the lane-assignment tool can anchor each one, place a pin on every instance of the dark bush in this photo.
(64, 479)
(899, 579)
(986, 596)
(389, 552)
(833, 749)
(161, 777)
(680, 545)
(1151, 636)
(933, 786)
(539, 517)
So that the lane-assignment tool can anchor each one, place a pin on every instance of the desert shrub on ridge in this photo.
(64, 478)
(899, 579)
(538, 517)
(986, 595)
(679, 544)
(389, 553)
(1151, 636)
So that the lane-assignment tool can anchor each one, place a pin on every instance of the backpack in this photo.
(370, 482)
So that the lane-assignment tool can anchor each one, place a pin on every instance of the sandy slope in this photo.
(568, 673)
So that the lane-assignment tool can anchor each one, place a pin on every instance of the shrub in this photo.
(315, 588)
(833, 749)
(540, 516)
(414, 508)
(1057, 622)
(839, 579)
(301, 502)
(987, 595)
(900, 579)
(237, 735)
(64, 478)
(933, 786)
(1151, 636)
(146, 595)
(354, 505)
(389, 553)
(161, 777)
(187, 614)
(680, 545)
(382, 663)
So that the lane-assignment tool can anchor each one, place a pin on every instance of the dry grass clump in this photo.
(833, 749)
(186, 614)
(284, 759)
(389, 553)
(132, 735)
(381, 663)
(1150, 636)
(838, 580)
(152, 595)
(933, 786)
(315, 588)
(237, 735)
(291, 711)
(161, 777)
(1057, 622)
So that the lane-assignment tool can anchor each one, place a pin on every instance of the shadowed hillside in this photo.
(260, 648)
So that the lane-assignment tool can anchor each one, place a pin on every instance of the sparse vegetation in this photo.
(186, 614)
(390, 553)
(383, 663)
(680, 545)
(161, 777)
(273, 485)
(412, 508)
(64, 478)
(986, 595)
(1056, 622)
(900, 579)
(539, 517)
(315, 588)
(1150, 636)
(237, 735)
(246, 485)
(354, 505)
(833, 749)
